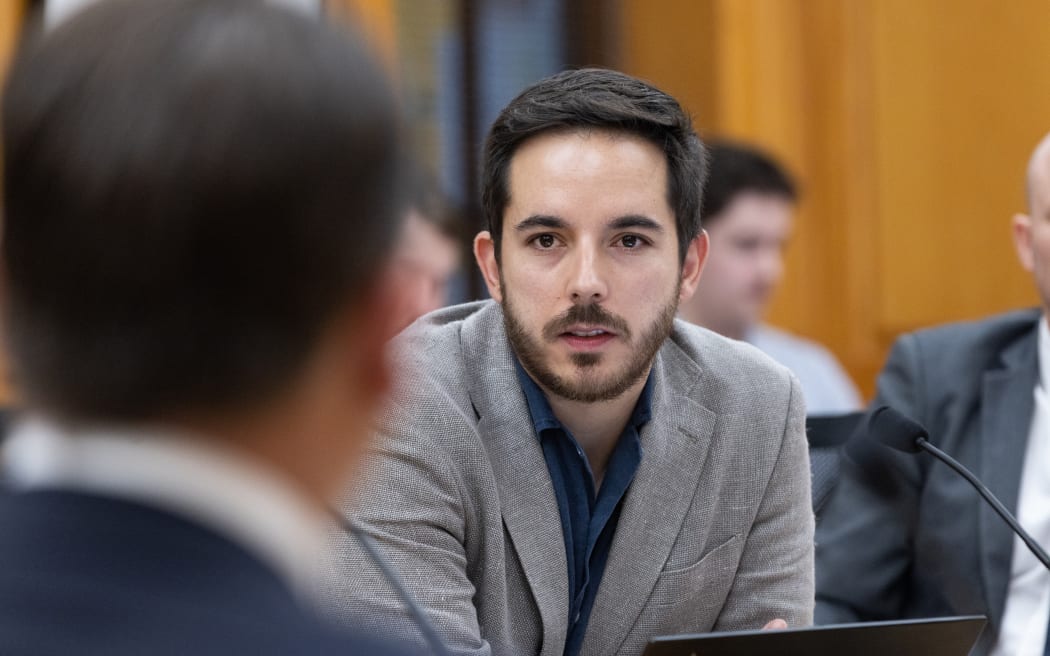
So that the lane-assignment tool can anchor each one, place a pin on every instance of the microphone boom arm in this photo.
(437, 646)
(1032, 545)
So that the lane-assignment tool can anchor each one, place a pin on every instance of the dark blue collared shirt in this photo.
(588, 519)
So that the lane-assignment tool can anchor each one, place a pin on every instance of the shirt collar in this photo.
(191, 476)
(543, 417)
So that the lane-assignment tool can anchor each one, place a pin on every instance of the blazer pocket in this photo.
(710, 577)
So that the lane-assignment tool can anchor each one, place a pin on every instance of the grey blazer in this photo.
(903, 536)
(716, 531)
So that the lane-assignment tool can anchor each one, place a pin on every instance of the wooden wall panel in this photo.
(676, 54)
(12, 13)
(962, 96)
(907, 122)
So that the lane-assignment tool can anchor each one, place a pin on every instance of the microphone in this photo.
(425, 627)
(896, 431)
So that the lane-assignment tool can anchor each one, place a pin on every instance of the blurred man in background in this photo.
(906, 537)
(428, 254)
(748, 211)
(199, 200)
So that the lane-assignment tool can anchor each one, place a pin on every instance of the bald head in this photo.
(1032, 231)
(1037, 178)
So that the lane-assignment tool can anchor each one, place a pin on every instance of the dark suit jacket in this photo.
(86, 575)
(903, 536)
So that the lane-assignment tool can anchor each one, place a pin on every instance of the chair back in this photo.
(827, 434)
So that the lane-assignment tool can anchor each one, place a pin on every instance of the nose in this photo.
(587, 280)
(771, 264)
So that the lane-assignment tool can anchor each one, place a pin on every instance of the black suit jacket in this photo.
(903, 536)
(83, 574)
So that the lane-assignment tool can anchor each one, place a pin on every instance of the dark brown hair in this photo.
(736, 169)
(192, 189)
(600, 99)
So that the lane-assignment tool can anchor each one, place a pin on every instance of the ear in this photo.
(485, 254)
(693, 266)
(1021, 227)
(371, 321)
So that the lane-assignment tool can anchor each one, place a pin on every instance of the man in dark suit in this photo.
(199, 199)
(903, 536)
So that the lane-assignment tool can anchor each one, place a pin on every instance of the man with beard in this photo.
(568, 469)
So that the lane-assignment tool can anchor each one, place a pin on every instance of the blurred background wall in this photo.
(907, 122)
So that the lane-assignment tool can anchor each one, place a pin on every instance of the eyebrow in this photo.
(636, 221)
(540, 221)
(619, 223)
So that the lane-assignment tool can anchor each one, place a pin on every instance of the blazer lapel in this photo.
(1006, 411)
(674, 447)
(526, 494)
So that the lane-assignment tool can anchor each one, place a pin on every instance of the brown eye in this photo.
(630, 241)
(545, 241)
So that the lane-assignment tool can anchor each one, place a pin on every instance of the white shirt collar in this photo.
(191, 476)
(1023, 624)
(1044, 353)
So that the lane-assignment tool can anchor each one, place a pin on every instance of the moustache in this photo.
(591, 314)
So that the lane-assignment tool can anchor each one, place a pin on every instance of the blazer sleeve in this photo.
(864, 540)
(775, 576)
(410, 505)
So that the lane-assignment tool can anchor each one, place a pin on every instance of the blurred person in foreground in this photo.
(748, 210)
(199, 199)
(903, 536)
(568, 469)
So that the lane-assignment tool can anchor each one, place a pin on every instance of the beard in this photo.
(587, 384)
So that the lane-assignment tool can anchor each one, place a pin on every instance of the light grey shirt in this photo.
(826, 385)
(192, 476)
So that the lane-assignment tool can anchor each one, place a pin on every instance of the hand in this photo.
(775, 624)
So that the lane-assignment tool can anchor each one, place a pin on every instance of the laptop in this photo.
(941, 636)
